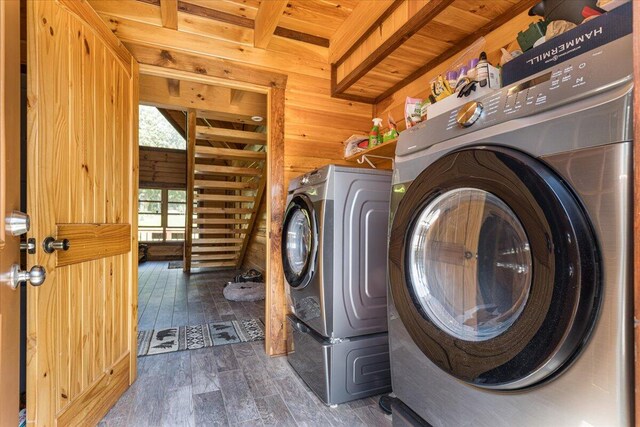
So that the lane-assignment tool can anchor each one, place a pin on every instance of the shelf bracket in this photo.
(365, 158)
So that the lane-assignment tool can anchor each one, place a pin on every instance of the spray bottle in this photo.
(374, 136)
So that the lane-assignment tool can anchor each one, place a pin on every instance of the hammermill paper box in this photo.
(585, 37)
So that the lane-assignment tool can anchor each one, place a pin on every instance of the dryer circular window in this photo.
(299, 241)
(494, 268)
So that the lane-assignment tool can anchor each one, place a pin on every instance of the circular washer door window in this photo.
(470, 264)
(299, 242)
(494, 268)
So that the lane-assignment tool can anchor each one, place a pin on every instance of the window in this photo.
(155, 131)
(161, 214)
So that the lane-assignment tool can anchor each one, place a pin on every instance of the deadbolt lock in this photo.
(50, 244)
(17, 223)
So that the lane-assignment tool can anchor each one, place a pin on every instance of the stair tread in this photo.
(213, 257)
(235, 185)
(230, 135)
(221, 211)
(223, 198)
(213, 264)
(229, 153)
(213, 241)
(227, 170)
(208, 248)
(237, 221)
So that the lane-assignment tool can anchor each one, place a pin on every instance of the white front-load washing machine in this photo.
(334, 260)
(510, 254)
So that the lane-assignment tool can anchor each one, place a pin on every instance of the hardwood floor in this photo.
(232, 385)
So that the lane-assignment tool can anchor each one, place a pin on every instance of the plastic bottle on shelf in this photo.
(374, 136)
(482, 70)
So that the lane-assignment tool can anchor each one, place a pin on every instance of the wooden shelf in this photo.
(386, 149)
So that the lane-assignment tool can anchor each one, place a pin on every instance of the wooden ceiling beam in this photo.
(459, 46)
(213, 99)
(267, 18)
(212, 68)
(169, 13)
(241, 21)
(357, 25)
(229, 135)
(421, 18)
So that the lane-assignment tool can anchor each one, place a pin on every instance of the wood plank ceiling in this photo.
(412, 37)
(375, 47)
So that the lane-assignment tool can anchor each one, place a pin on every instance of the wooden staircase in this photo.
(226, 179)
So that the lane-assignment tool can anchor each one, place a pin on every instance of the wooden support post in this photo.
(275, 337)
(191, 159)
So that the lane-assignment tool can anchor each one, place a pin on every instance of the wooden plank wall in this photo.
(256, 257)
(500, 37)
(163, 168)
(315, 123)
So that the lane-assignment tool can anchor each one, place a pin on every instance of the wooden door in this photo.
(82, 186)
(9, 201)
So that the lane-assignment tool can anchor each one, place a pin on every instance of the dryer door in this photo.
(299, 241)
(494, 268)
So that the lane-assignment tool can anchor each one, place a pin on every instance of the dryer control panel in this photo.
(585, 75)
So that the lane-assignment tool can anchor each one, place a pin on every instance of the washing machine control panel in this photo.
(583, 76)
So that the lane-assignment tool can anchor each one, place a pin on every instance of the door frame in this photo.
(213, 71)
(10, 114)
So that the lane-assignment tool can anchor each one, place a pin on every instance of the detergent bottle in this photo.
(375, 137)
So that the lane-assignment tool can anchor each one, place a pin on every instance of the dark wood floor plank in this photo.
(225, 359)
(300, 404)
(148, 401)
(243, 350)
(274, 412)
(372, 416)
(178, 408)
(204, 374)
(209, 410)
(258, 377)
(238, 401)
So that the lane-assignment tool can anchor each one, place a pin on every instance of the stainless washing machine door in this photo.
(494, 268)
(299, 242)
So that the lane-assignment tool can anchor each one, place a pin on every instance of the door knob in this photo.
(17, 223)
(50, 245)
(36, 276)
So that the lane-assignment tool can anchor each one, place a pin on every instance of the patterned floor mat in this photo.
(199, 336)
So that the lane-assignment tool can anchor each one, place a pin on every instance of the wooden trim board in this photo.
(92, 241)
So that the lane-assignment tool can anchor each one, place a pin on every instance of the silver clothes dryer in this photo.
(334, 260)
(510, 254)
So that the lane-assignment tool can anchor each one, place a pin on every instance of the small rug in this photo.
(199, 336)
(175, 264)
(244, 291)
